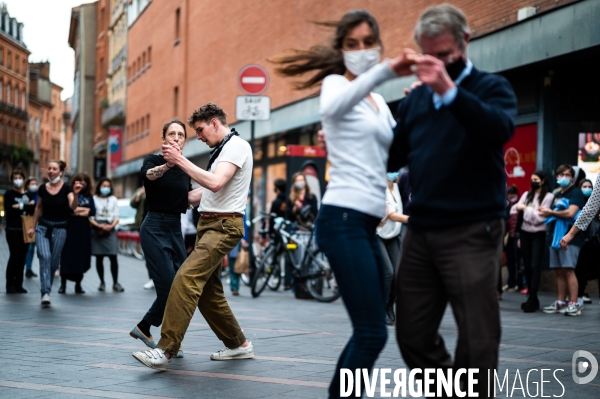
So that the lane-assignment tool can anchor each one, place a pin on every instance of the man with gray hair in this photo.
(451, 132)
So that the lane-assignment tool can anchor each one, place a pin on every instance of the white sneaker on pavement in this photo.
(555, 308)
(232, 354)
(149, 285)
(573, 309)
(153, 358)
(46, 300)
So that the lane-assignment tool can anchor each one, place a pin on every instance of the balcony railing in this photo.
(113, 113)
(12, 110)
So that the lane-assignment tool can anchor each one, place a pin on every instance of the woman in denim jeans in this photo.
(168, 195)
(358, 129)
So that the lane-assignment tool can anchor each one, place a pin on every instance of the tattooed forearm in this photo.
(155, 173)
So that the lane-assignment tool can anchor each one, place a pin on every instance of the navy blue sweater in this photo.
(455, 154)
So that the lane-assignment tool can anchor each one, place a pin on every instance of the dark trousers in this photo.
(390, 251)
(348, 239)
(586, 262)
(512, 262)
(459, 265)
(114, 267)
(164, 249)
(16, 261)
(533, 246)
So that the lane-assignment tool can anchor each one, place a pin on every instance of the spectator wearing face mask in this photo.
(588, 257)
(31, 185)
(16, 203)
(302, 206)
(104, 236)
(532, 237)
(568, 202)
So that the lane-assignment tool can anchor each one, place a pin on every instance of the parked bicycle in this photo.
(310, 265)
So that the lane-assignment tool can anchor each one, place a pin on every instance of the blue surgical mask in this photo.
(564, 182)
(586, 191)
(104, 190)
(392, 176)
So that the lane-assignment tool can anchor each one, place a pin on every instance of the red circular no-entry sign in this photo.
(253, 79)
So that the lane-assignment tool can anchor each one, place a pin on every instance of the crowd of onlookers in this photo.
(68, 223)
(536, 221)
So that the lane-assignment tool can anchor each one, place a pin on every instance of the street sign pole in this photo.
(252, 80)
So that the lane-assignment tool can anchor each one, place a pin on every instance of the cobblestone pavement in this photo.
(80, 347)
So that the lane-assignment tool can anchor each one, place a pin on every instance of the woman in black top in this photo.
(17, 203)
(56, 200)
(77, 252)
(168, 193)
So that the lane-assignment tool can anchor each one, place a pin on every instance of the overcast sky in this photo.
(46, 35)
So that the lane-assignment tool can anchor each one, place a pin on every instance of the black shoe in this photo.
(11, 290)
(21, 290)
(102, 287)
(531, 305)
(30, 274)
(78, 289)
(62, 289)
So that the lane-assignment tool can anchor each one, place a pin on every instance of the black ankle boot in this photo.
(78, 289)
(531, 305)
(62, 289)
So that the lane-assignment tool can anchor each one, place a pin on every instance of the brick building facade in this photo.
(14, 86)
(183, 54)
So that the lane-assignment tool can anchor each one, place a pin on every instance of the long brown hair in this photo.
(84, 177)
(324, 60)
(294, 192)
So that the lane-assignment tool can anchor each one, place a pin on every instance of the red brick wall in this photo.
(103, 20)
(217, 40)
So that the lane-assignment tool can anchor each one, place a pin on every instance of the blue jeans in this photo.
(29, 256)
(162, 242)
(234, 278)
(348, 239)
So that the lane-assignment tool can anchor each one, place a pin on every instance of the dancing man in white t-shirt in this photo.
(222, 201)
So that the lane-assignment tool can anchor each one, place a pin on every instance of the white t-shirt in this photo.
(107, 209)
(388, 228)
(358, 139)
(231, 198)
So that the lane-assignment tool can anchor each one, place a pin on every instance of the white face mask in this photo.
(300, 185)
(33, 188)
(56, 179)
(18, 183)
(360, 61)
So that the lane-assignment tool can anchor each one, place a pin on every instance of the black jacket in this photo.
(455, 154)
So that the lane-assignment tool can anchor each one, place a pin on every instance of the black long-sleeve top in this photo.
(455, 154)
(13, 215)
(169, 193)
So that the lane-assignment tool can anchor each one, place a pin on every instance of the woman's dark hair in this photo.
(61, 164)
(29, 180)
(584, 181)
(169, 123)
(17, 172)
(82, 176)
(324, 59)
(512, 190)
(545, 188)
(280, 184)
(99, 184)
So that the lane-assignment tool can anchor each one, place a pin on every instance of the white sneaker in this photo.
(555, 308)
(154, 358)
(580, 302)
(149, 285)
(232, 354)
(573, 309)
(46, 300)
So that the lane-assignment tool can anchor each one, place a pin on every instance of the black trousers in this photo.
(16, 261)
(458, 265)
(533, 246)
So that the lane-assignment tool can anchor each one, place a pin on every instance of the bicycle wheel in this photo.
(263, 272)
(245, 279)
(277, 277)
(321, 285)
